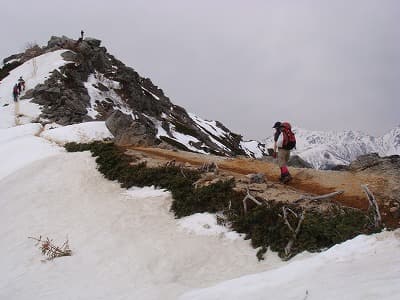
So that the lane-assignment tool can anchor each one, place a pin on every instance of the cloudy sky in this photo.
(320, 64)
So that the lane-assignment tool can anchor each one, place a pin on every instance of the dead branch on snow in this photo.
(50, 250)
(373, 204)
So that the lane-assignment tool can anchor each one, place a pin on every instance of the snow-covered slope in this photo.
(126, 244)
(34, 71)
(324, 150)
(366, 267)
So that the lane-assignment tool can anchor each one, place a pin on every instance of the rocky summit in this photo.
(94, 85)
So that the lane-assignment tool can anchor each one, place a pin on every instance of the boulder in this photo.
(56, 41)
(93, 42)
(365, 161)
(256, 178)
(69, 56)
(297, 162)
(12, 57)
(128, 131)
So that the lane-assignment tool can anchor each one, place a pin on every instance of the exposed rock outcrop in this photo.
(94, 85)
(387, 168)
(130, 132)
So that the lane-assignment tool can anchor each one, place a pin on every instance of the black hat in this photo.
(277, 125)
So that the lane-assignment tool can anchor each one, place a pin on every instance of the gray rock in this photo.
(28, 95)
(56, 41)
(297, 162)
(118, 122)
(256, 178)
(70, 56)
(53, 90)
(93, 42)
(11, 57)
(365, 161)
(102, 87)
(128, 131)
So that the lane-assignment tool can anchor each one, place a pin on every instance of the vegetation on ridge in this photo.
(264, 224)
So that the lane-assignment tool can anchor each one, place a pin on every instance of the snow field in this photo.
(366, 267)
(79, 133)
(125, 246)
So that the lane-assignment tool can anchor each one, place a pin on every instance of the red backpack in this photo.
(289, 140)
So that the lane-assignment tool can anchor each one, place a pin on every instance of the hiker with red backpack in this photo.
(284, 141)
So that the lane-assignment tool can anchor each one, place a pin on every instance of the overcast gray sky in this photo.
(321, 64)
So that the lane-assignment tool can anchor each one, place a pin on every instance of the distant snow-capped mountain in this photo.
(324, 150)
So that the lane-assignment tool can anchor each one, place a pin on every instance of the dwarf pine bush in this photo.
(263, 224)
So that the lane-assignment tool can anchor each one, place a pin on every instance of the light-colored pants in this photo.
(283, 157)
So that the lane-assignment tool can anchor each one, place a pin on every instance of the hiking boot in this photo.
(285, 178)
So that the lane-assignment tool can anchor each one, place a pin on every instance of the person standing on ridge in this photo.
(284, 141)
(21, 84)
(80, 40)
(15, 92)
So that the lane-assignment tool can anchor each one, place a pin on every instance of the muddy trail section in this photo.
(305, 181)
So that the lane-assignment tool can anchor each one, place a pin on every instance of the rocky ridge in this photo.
(94, 85)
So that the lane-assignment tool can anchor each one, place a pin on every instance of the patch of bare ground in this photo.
(305, 181)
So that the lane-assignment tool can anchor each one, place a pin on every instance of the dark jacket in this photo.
(277, 134)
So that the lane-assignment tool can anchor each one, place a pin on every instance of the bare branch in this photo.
(183, 174)
(295, 232)
(50, 250)
(252, 198)
(312, 198)
(373, 204)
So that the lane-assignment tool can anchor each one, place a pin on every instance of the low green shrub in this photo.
(263, 224)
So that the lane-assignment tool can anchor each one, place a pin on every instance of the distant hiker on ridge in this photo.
(284, 141)
(81, 38)
(15, 92)
(21, 84)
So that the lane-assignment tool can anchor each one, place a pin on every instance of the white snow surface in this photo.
(145, 192)
(252, 148)
(208, 126)
(19, 148)
(34, 72)
(126, 243)
(367, 267)
(206, 224)
(82, 132)
(184, 139)
(19, 131)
